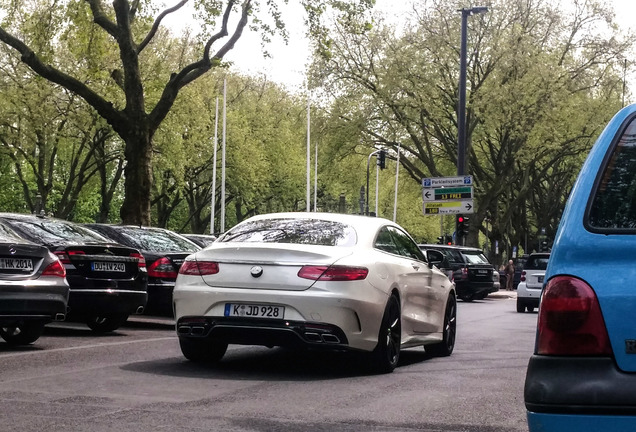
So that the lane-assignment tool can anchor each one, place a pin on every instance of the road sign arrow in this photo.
(468, 206)
(427, 194)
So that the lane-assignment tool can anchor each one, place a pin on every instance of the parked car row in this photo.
(52, 269)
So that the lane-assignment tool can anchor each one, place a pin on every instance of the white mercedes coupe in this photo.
(314, 280)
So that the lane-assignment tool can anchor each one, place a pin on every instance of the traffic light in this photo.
(382, 159)
(462, 225)
(440, 240)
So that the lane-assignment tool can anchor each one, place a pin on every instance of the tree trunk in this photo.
(135, 209)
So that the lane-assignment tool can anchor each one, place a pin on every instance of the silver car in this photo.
(33, 288)
(316, 280)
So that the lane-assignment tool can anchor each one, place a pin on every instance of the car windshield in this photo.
(300, 231)
(50, 231)
(156, 240)
(475, 257)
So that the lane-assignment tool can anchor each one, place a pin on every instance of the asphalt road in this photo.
(137, 380)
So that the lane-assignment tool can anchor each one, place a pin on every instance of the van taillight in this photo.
(55, 269)
(333, 273)
(570, 320)
(523, 276)
(199, 268)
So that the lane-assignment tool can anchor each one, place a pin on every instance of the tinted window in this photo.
(536, 263)
(384, 242)
(51, 231)
(475, 257)
(300, 231)
(614, 203)
(156, 240)
(406, 245)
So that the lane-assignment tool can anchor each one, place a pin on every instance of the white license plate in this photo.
(22, 264)
(108, 266)
(254, 311)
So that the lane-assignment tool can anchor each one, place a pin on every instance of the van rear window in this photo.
(614, 204)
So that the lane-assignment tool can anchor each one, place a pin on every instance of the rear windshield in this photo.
(155, 240)
(614, 204)
(475, 257)
(300, 231)
(8, 235)
(536, 263)
(48, 231)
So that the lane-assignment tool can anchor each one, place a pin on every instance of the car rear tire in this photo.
(521, 308)
(202, 350)
(105, 324)
(23, 334)
(386, 355)
(446, 346)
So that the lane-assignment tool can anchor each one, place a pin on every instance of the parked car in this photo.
(164, 252)
(469, 269)
(314, 280)
(582, 375)
(33, 288)
(201, 240)
(107, 280)
(529, 289)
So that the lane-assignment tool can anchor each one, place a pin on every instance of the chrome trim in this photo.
(107, 290)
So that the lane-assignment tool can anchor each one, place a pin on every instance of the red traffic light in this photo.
(460, 219)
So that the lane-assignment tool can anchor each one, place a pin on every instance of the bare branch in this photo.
(100, 18)
(157, 23)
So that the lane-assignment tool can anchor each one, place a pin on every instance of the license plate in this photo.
(22, 264)
(482, 271)
(108, 266)
(254, 311)
(540, 279)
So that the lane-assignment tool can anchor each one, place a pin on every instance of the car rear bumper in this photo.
(264, 332)
(90, 302)
(467, 288)
(579, 387)
(20, 306)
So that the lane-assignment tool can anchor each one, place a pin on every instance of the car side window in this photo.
(407, 246)
(384, 242)
(614, 203)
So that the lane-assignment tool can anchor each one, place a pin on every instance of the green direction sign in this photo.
(447, 194)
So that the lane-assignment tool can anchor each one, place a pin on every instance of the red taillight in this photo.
(142, 261)
(55, 269)
(523, 276)
(199, 268)
(65, 256)
(570, 320)
(162, 268)
(333, 273)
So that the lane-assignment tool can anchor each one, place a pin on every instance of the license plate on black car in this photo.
(108, 266)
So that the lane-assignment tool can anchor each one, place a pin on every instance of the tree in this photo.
(542, 83)
(128, 29)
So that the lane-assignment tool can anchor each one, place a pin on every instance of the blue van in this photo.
(582, 375)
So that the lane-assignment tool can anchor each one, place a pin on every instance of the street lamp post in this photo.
(461, 109)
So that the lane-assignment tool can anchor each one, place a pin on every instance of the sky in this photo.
(289, 62)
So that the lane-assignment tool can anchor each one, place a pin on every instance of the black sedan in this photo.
(108, 281)
(33, 288)
(164, 251)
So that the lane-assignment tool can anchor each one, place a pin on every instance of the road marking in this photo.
(99, 345)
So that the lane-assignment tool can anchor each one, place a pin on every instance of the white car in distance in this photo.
(314, 280)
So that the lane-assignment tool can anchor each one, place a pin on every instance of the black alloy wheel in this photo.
(22, 334)
(105, 324)
(202, 350)
(386, 355)
(446, 346)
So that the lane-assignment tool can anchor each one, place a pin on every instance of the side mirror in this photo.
(435, 258)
